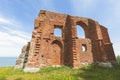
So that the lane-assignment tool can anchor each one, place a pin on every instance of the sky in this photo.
(17, 19)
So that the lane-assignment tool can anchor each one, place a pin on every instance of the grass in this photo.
(63, 73)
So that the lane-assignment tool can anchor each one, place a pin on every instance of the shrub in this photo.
(118, 59)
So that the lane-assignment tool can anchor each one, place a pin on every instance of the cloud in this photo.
(13, 23)
(10, 45)
(11, 37)
(12, 34)
(5, 21)
(2, 20)
(16, 32)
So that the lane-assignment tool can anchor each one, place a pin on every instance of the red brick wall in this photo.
(47, 49)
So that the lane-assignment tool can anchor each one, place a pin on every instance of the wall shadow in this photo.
(95, 72)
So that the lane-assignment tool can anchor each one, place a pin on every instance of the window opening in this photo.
(57, 32)
(84, 47)
(80, 32)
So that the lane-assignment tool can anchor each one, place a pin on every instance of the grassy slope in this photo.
(63, 73)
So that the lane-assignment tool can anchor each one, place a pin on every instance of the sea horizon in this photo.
(7, 61)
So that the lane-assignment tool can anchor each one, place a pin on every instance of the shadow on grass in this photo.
(19, 78)
(3, 78)
(99, 73)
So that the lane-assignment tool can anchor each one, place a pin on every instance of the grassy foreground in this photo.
(63, 73)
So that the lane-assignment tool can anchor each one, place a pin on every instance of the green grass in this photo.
(63, 73)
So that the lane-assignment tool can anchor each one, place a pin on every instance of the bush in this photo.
(118, 59)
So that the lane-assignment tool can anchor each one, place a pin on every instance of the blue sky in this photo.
(17, 19)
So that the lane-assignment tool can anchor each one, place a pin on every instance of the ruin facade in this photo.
(47, 49)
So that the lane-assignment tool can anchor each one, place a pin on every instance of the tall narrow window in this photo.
(57, 32)
(80, 32)
(84, 47)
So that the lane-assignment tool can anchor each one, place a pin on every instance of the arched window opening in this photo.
(80, 32)
(57, 32)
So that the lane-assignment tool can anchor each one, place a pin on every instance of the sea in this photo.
(7, 61)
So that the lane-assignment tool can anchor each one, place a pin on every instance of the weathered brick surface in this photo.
(48, 50)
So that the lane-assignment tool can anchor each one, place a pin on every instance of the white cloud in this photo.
(10, 22)
(10, 45)
(16, 32)
(2, 20)
(11, 37)
(6, 37)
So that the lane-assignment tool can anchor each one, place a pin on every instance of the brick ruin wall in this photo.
(46, 49)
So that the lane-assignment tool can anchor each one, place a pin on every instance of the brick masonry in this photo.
(46, 49)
